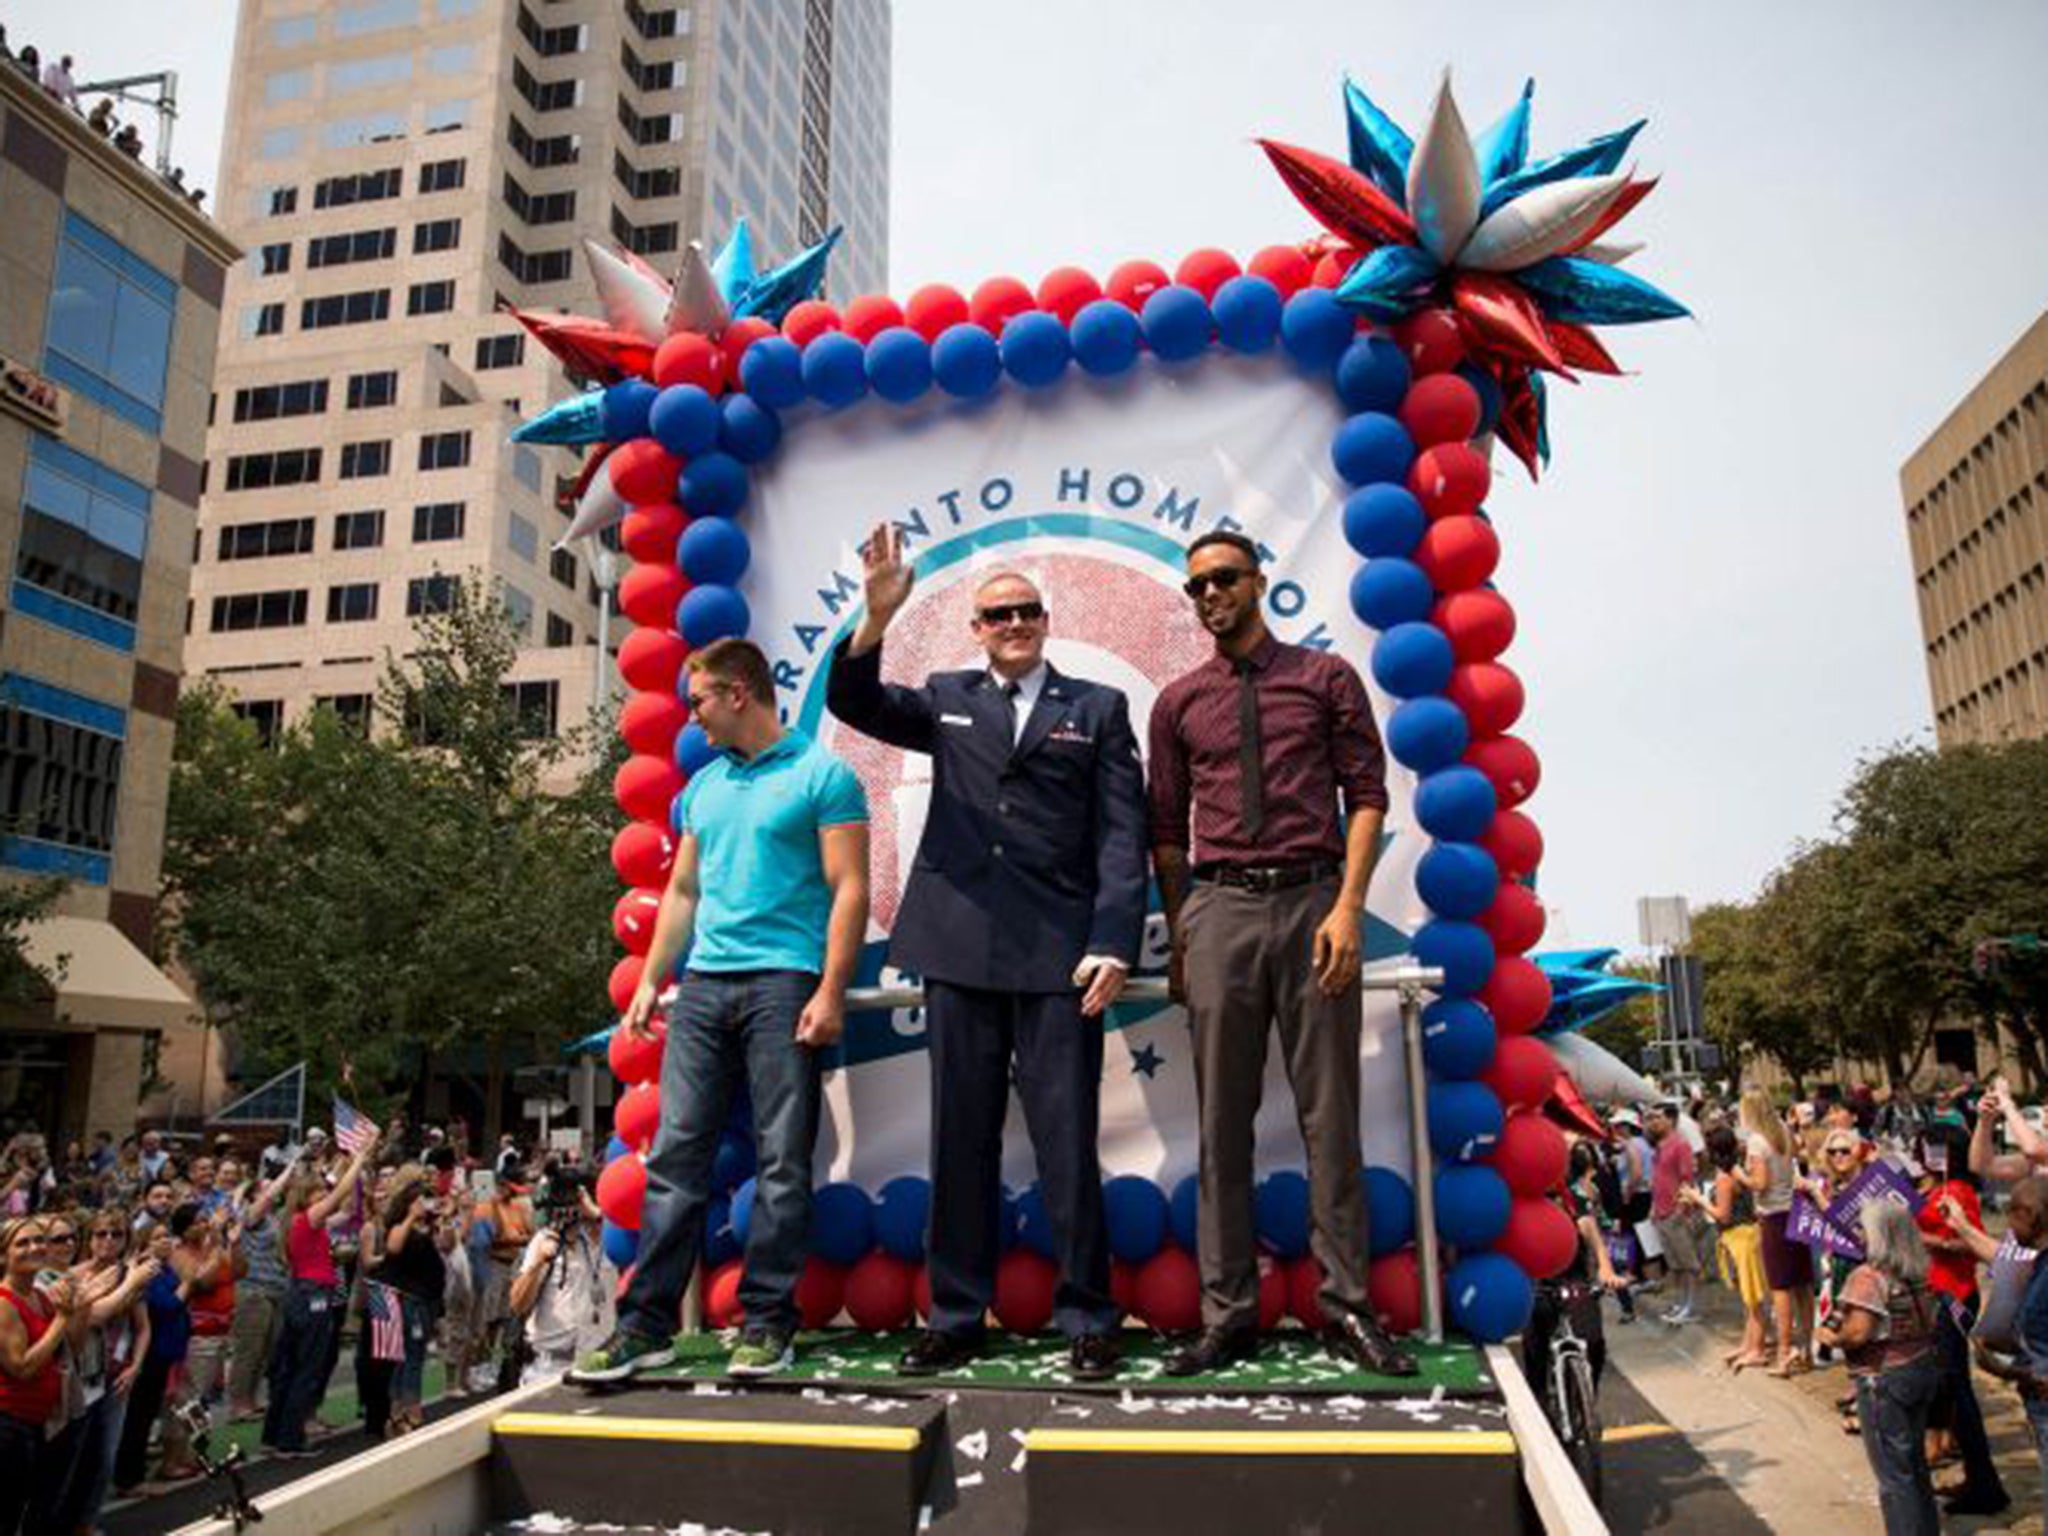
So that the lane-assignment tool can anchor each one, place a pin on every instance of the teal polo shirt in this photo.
(762, 902)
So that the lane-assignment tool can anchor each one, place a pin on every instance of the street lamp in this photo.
(604, 571)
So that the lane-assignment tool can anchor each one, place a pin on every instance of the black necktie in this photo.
(1251, 784)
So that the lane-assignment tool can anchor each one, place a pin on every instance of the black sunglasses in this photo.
(1010, 613)
(1222, 580)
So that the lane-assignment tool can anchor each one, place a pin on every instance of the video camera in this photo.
(558, 1199)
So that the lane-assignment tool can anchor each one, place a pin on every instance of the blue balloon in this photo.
(1409, 660)
(1389, 1211)
(1184, 1209)
(1464, 1120)
(1457, 880)
(1383, 520)
(713, 485)
(1390, 591)
(711, 613)
(1034, 1225)
(621, 1244)
(721, 1244)
(743, 1207)
(684, 420)
(733, 1164)
(1472, 1205)
(1136, 1214)
(772, 371)
(1489, 1296)
(966, 362)
(835, 370)
(1593, 293)
(1009, 1221)
(842, 1223)
(1373, 375)
(1454, 804)
(899, 364)
(748, 429)
(1248, 313)
(714, 551)
(623, 411)
(1315, 329)
(1106, 337)
(1280, 1210)
(616, 1147)
(1035, 348)
(1426, 734)
(1462, 951)
(901, 1211)
(693, 748)
(1371, 447)
(1457, 1038)
(1487, 387)
(1176, 322)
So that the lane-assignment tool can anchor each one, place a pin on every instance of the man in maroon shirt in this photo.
(1264, 887)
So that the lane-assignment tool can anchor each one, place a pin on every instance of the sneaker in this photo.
(762, 1352)
(622, 1356)
(1678, 1317)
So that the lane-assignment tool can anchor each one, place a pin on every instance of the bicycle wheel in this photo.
(1581, 1411)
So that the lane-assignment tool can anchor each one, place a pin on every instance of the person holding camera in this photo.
(566, 1288)
(402, 1260)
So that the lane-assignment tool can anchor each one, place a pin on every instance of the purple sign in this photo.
(1840, 1228)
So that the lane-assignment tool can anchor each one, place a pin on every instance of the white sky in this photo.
(1716, 609)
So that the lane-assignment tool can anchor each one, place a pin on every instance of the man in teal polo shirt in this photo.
(769, 896)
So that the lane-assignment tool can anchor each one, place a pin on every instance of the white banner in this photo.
(1094, 489)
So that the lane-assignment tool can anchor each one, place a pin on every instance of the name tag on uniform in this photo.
(1070, 733)
(956, 719)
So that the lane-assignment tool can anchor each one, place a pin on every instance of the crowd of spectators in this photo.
(57, 79)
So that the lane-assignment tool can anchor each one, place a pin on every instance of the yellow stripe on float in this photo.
(1239, 1442)
(830, 1437)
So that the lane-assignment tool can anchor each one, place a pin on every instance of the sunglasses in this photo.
(1841, 1151)
(1223, 580)
(1010, 613)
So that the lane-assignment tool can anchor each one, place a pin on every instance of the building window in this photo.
(647, 77)
(355, 603)
(457, 60)
(549, 42)
(533, 266)
(269, 402)
(438, 522)
(362, 308)
(266, 715)
(652, 24)
(438, 235)
(280, 143)
(260, 541)
(275, 259)
(275, 202)
(536, 706)
(359, 461)
(84, 531)
(665, 181)
(283, 466)
(259, 610)
(109, 334)
(374, 16)
(444, 450)
(544, 95)
(431, 594)
(341, 250)
(435, 298)
(518, 610)
(367, 391)
(446, 116)
(352, 709)
(351, 75)
(294, 31)
(643, 240)
(562, 149)
(541, 208)
(369, 128)
(359, 530)
(562, 566)
(361, 187)
(560, 632)
(501, 351)
(263, 320)
(442, 175)
(60, 779)
(657, 128)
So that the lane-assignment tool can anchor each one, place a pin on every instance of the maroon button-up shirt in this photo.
(1317, 740)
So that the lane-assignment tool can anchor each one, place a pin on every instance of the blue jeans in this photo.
(299, 1369)
(1892, 1407)
(725, 1027)
(418, 1320)
(2037, 1421)
(92, 1472)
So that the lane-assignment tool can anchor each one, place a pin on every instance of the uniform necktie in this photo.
(1251, 784)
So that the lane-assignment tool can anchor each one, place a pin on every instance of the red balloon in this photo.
(1540, 1237)
(649, 593)
(1206, 270)
(1272, 1292)
(649, 533)
(880, 1292)
(1516, 919)
(651, 657)
(1169, 1292)
(643, 471)
(1511, 763)
(1024, 1287)
(1450, 479)
(624, 982)
(1458, 553)
(1479, 623)
(1440, 408)
(642, 852)
(633, 919)
(1513, 840)
(1304, 1281)
(684, 358)
(649, 721)
(1134, 282)
(1532, 1154)
(1488, 692)
(820, 1292)
(808, 320)
(1500, 317)
(1345, 202)
(1123, 1285)
(1284, 267)
(722, 1296)
(1517, 994)
(1066, 291)
(998, 301)
(1332, 267)
(921, 1292)
(632, 1059)
(1394, 1282)
(933, 309)
(644, 786)
(638, 1116)
(621, 1188)
(734, 340)
(1432, 340)
(871, 314)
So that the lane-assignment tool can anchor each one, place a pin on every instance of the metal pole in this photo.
(1428, 1260)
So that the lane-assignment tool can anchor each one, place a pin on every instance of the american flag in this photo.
(353, 1130)
(387, 1322)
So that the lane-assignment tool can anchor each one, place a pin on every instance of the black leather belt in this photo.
(1267, 877)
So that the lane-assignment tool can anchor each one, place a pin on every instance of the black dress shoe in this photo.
(932, 1352)
(1094, 1357)
(1360, 1341)
(1212, 1350)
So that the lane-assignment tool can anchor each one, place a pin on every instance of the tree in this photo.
(23, 902)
